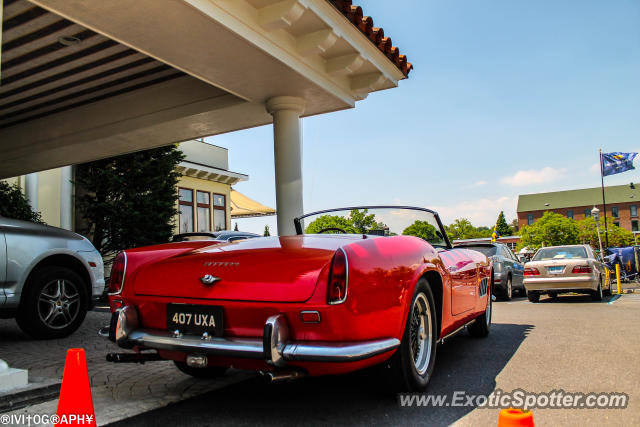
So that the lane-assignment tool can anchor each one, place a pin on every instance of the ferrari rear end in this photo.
(278, 303)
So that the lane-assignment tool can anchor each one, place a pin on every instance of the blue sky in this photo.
(507, 97)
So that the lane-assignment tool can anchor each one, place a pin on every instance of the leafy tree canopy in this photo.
(463, 229)
(13, 204)
(421, 229)
(550, 230)
(357, 223)
(502, 227)
(588, 233)
(266, 231)
(130, 200)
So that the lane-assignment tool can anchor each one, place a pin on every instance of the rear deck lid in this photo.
(275, 269)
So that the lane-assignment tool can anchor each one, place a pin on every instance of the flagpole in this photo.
(604, 203)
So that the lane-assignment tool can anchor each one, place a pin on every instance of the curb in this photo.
(32, 394)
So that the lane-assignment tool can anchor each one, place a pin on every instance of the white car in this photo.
(49, 277)
(560, 269)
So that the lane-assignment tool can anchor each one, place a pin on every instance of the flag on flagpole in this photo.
(495, 235)
(613, 163)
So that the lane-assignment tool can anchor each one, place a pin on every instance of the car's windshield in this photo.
(378, 221)
(487, 250)
(560, 253)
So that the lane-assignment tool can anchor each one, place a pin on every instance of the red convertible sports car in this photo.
(355, 288)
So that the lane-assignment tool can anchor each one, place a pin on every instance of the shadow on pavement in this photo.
(463, 364)
(573, 299)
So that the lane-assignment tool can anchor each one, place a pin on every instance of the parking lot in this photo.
(571, 343)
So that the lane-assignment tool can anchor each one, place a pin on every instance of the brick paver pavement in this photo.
(119, 390)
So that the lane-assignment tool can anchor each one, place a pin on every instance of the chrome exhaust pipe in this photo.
(279, 376)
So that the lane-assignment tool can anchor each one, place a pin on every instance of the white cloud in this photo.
(477, 184)
(595, 168)
(533, 176)
(479, 212)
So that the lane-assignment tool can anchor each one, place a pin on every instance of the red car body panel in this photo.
(287, 275)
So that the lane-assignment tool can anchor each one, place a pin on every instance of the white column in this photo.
(287, 148)
(66, 198)
(31, 189)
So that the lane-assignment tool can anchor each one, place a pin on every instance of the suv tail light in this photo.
(338, 278)
(531, 271)
(118, 268)
(579, 269)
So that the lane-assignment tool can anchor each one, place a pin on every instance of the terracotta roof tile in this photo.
(375, 34)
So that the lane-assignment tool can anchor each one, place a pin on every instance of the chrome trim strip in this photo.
(253, 348)
(249, 348)
(338, 352)
(124, 275)
(346, 280)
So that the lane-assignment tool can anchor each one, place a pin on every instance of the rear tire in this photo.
(480, 327)
(606, 292)
(508, 290)
(597, 294)
(208, 372)
(533, 296)
(54, 303)
(411, 366)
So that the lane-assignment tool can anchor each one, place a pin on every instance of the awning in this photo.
(244, 207)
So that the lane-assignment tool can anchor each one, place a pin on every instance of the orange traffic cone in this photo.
(515, 418)
(75, 406)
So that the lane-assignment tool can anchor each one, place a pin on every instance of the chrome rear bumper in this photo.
(274, 347)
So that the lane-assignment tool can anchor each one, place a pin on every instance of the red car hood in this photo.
(270, 269)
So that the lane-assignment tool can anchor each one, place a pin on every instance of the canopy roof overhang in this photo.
(245, 207)
(88, 79)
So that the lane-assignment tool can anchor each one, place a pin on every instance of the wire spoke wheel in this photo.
(421, 333)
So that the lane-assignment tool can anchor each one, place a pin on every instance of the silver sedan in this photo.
(49, 277)
(560, 269)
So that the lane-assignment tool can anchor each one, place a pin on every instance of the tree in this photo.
(502, 227)
(330, 221)
(266, 231)
(421, 229)
(129, 200)
(463, 229)
(550, 230)
(588, 233)
(358, 222)
(13, 204)
(514, 226)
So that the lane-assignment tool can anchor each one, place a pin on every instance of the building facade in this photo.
(206, 200)
(622, 205)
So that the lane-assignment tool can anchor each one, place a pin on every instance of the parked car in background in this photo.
(222, 236)
(507, 267)
(337, 297)
(49, 277)
(559, 269)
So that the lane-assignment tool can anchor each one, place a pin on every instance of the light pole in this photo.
(595, 213)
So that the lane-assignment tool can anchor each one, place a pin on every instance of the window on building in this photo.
(530, 219)
(186, 210)
(219, 212)
(633, 210)
(616, 223)
(634, 225)
(587, 213)
(614, 211)
(570, 214)
(204, 211)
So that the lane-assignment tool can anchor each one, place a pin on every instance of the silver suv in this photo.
(49, 277)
